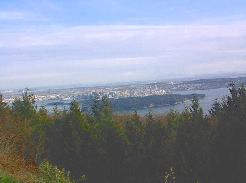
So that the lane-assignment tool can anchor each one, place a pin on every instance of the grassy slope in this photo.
(16, 170)
(5, 178)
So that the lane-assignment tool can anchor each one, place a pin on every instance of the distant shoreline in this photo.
(136, 103)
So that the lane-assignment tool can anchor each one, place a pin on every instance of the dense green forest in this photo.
(100, 147)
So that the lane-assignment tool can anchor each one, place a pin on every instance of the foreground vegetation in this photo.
(99, 147)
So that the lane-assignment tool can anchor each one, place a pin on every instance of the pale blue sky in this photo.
(56, 42)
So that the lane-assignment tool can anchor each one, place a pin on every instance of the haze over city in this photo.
(48, 43)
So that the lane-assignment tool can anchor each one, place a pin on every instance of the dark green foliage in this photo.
(98, 146)
(230, 146)
(3, 105)
(25, 107)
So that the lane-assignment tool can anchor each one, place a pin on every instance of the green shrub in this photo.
(4, 178)
(52, 174)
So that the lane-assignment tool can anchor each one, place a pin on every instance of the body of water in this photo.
(206, 103)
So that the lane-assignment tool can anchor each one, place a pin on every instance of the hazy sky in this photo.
(56, 42)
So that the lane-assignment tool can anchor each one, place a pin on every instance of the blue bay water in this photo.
(206, 103)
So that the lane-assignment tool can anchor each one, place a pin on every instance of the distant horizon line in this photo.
(105, 84)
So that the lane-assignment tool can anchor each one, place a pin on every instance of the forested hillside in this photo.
(100, 147)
